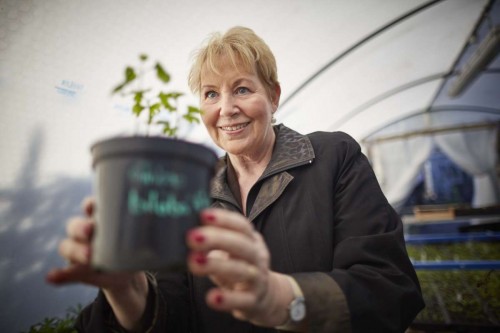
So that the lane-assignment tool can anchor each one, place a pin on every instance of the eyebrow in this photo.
(242, 80)
(235, 83)
(205, 86)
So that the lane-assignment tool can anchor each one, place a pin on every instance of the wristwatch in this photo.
(296, 308)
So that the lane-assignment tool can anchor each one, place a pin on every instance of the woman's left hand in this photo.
(229, 251)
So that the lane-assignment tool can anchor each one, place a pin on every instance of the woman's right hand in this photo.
(125, 291)
(76, 250)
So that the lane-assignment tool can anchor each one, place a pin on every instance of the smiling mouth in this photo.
(234, 128)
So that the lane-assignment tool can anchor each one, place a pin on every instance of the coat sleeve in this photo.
(167, 308)
(372, 286)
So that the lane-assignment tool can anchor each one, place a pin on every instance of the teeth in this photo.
(234, 128)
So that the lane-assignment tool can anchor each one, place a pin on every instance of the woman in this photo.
(299, 236)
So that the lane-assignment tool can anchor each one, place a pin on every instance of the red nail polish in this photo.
(88, 253)
(89, 230)
(196, 236)
(200, 259)
(219, 299)
(209, 217)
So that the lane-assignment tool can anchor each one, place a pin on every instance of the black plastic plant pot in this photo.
(149, 192)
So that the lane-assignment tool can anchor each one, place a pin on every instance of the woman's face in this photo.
(237, 110)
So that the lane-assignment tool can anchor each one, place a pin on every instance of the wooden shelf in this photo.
(450, 212)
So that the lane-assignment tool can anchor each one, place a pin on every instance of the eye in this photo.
(242, 90)
(210, 94)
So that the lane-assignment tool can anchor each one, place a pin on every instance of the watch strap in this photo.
(298, 295)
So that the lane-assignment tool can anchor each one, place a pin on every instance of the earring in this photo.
(273, 120)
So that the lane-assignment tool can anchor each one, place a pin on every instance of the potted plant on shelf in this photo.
(149, 189)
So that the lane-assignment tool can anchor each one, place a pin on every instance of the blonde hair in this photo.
(242, 47)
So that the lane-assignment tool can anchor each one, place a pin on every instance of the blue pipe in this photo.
(459, 264)
(448, 238)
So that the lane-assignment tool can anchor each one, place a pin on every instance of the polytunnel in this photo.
(404, 78)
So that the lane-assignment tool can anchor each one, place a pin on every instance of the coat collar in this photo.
(291, 149)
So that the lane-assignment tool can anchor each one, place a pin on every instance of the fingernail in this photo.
(88, 230)
(219, 299)
(200, 258)
(50, 276)
(196, 236)
(88, 253)
(208, 216)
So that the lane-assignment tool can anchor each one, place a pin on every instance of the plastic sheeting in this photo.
(59, 60)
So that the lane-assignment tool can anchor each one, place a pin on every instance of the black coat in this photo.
(326, 222)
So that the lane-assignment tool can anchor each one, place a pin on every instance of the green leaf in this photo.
(143, 57)
(153, 111)
(137, 109)
(192, 114)
(174, 94)
(161, 73)
(154, 108)
(164, 99)
(172, 132)
(57, 325)
(118, 87)
(167, 130)
(165, 123)
(193, 109)
(138, 96)
(129, 77)
(129, 74)
(191, 119)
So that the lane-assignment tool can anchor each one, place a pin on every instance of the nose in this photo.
(228, 107)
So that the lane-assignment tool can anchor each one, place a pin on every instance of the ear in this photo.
(275, 98)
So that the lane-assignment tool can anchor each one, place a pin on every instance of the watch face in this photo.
(298, 310)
